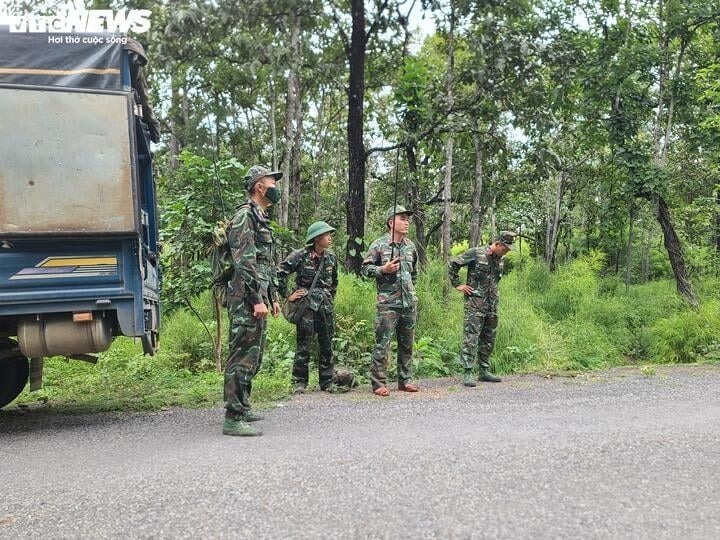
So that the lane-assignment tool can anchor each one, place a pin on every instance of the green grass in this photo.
(124, 379)
(568, 321)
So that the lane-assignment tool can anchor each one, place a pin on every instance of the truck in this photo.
(79, 249)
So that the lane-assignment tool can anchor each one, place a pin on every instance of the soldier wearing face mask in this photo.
(252, 294)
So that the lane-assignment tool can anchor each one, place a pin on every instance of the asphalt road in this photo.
(611, 455)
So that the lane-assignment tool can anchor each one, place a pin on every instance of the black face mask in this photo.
(273, 194)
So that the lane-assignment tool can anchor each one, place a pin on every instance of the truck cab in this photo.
(78, 216)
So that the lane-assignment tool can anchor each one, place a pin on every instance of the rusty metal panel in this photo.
(65, 162)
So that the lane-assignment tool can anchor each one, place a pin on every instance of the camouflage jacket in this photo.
(394, 290)
(304, 263)
(484, 272)
(251, 245)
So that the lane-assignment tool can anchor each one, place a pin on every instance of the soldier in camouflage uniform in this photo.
(392, 261)
(319, 317)
(485, 267)
(252, 292)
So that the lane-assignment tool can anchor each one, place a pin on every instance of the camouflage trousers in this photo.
(480, 329)
(247, 341)
(393, 322)
(319, 323)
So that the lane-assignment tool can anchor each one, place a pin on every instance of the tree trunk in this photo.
(553, 225)
(294, 181)
(447, 181)
(670, 238)
(475, 211)
(340, 194)
(628, 254)
(175, 121)
(291, 104)
(273, 126)
(320, 143)
(646, 258)
(416, 205)
(447, 193)
(356, 146)
(677, 261)
(491, 211)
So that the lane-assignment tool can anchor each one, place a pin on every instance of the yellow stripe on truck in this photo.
(77, 261)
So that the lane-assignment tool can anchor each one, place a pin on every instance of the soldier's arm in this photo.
(456, 263)
(241, 240)
(370, 265)
(274, 296)
(287, 267)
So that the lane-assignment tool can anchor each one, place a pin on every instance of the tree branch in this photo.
(376, 23)
(341, 30)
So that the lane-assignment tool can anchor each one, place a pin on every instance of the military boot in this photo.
(299, 388)
(239, 428)
(251, 416)
(486, 376)
(469, 378)
(335, 389)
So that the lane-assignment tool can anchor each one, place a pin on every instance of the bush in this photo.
(571, 286)
(440, 307)
(688, 335)
(186, 343)
(525, 342)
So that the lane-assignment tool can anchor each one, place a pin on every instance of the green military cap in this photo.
(256, 172)
(395, 210)
(316, 229)
(506, 237)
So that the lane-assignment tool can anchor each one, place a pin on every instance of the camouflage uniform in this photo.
(481, 318)
(319, 317)
(254, 281)
(396, 306)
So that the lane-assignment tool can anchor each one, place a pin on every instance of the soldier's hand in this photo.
(391, 267)
(276, 309)
(297, 295)
(465, 289)
(260, 311)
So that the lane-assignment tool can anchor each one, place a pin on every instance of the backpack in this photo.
(221, 262)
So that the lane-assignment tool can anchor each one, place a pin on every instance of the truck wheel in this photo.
(14, 372)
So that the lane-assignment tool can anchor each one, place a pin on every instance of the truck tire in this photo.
(14, 371)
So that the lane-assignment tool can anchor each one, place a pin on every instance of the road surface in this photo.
(614, 454)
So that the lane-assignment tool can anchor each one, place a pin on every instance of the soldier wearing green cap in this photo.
(392, 261)
(485, 268)
(318, 319)
(252, 294)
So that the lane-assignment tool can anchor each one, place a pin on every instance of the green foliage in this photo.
(571, 285)
(185, 339)
(440, 307)
(125, 379)
(353, 343)
(192, 200)
(459, 248)
(687, 336)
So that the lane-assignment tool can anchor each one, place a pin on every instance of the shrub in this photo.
(684, 336)
(525, 342)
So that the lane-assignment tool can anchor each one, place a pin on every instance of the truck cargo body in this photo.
(78, 217)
